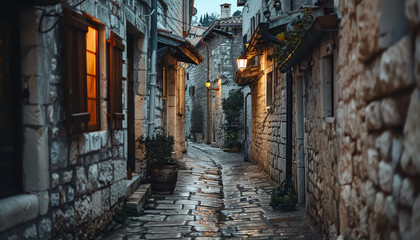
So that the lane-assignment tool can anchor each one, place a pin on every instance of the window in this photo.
(11, 140)
(252, 26)
(92, 78)
(192, 91)
(269, 89)
(258, 18)
(163, 82)
(82, 53)
(328, 86)
(181, 91)
(77, 115)
(116, 49)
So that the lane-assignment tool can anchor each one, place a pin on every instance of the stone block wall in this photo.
(375, 128)
(268, 125)
(321, 140)
(73, 184)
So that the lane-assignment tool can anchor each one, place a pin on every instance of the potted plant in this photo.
(163, 169)
(284, 199)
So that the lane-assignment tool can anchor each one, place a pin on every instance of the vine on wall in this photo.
(291, 38)
(232, 106)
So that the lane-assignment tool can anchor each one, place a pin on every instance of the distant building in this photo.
(224, 41)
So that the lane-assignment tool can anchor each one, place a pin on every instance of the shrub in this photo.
(158, 149)
(232, 106)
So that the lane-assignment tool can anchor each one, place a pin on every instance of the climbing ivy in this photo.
(232, 106)
(291, 38)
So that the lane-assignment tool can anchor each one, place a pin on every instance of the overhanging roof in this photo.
(321, 25)
(260, 40)
(178, 47)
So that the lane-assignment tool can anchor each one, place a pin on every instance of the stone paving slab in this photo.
(218, 197)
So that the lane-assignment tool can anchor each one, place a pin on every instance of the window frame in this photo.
(75, 29)
(95, 127)
(269, 90)
(328, 86)
(115, 114)
(164, 81)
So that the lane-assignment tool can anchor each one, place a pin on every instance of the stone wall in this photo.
(268, 124)
(375, 193)
(73, 184)
(321, 146)
(377, 119)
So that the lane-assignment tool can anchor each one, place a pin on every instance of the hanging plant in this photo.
(291, 38)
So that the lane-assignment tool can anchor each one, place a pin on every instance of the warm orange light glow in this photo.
(208, 84)
(92, 74)
(242, 61)
(164, 81)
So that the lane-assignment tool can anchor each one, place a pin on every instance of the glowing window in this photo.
(92, 77)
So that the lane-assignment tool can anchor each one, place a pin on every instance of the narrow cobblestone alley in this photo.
(217, 196)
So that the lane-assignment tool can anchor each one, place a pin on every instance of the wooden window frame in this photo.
(328, 86)
(75, 29)
(116, 49)
(164, 81)
(181, 91)
(269, 90)
(96, 126)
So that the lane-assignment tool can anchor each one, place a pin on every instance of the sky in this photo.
(210, 6)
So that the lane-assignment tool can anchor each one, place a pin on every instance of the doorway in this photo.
(130, 105)
(11, 133)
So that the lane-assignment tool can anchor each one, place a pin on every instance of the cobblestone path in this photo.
(217, 196)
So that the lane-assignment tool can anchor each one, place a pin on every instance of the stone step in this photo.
(132, 184)
(140, 197)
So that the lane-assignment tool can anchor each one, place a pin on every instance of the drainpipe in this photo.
(245, 128)
(207, 89)
(300, 142)
(289, 119)
(153, 63)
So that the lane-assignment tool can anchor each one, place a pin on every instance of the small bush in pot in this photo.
(163, 169)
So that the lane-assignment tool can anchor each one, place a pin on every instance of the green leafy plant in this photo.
(232, 106)
(158, 149)
(289, 198)
(292, 37)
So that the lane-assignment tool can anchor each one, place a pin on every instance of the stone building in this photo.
(74, 96)
(343, 109)
(224, 42)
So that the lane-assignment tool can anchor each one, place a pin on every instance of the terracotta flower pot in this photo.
(163, 178)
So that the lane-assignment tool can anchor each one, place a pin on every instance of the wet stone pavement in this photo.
(217, 196)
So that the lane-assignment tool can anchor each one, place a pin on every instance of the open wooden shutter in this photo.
(75, 52)
(116, 49)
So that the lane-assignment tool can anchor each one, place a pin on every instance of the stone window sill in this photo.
(18, 209)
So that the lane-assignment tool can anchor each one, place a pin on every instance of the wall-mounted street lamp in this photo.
(208, 86)
(241, 61)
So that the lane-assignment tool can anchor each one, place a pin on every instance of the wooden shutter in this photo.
(116, 49)
(75, 52)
